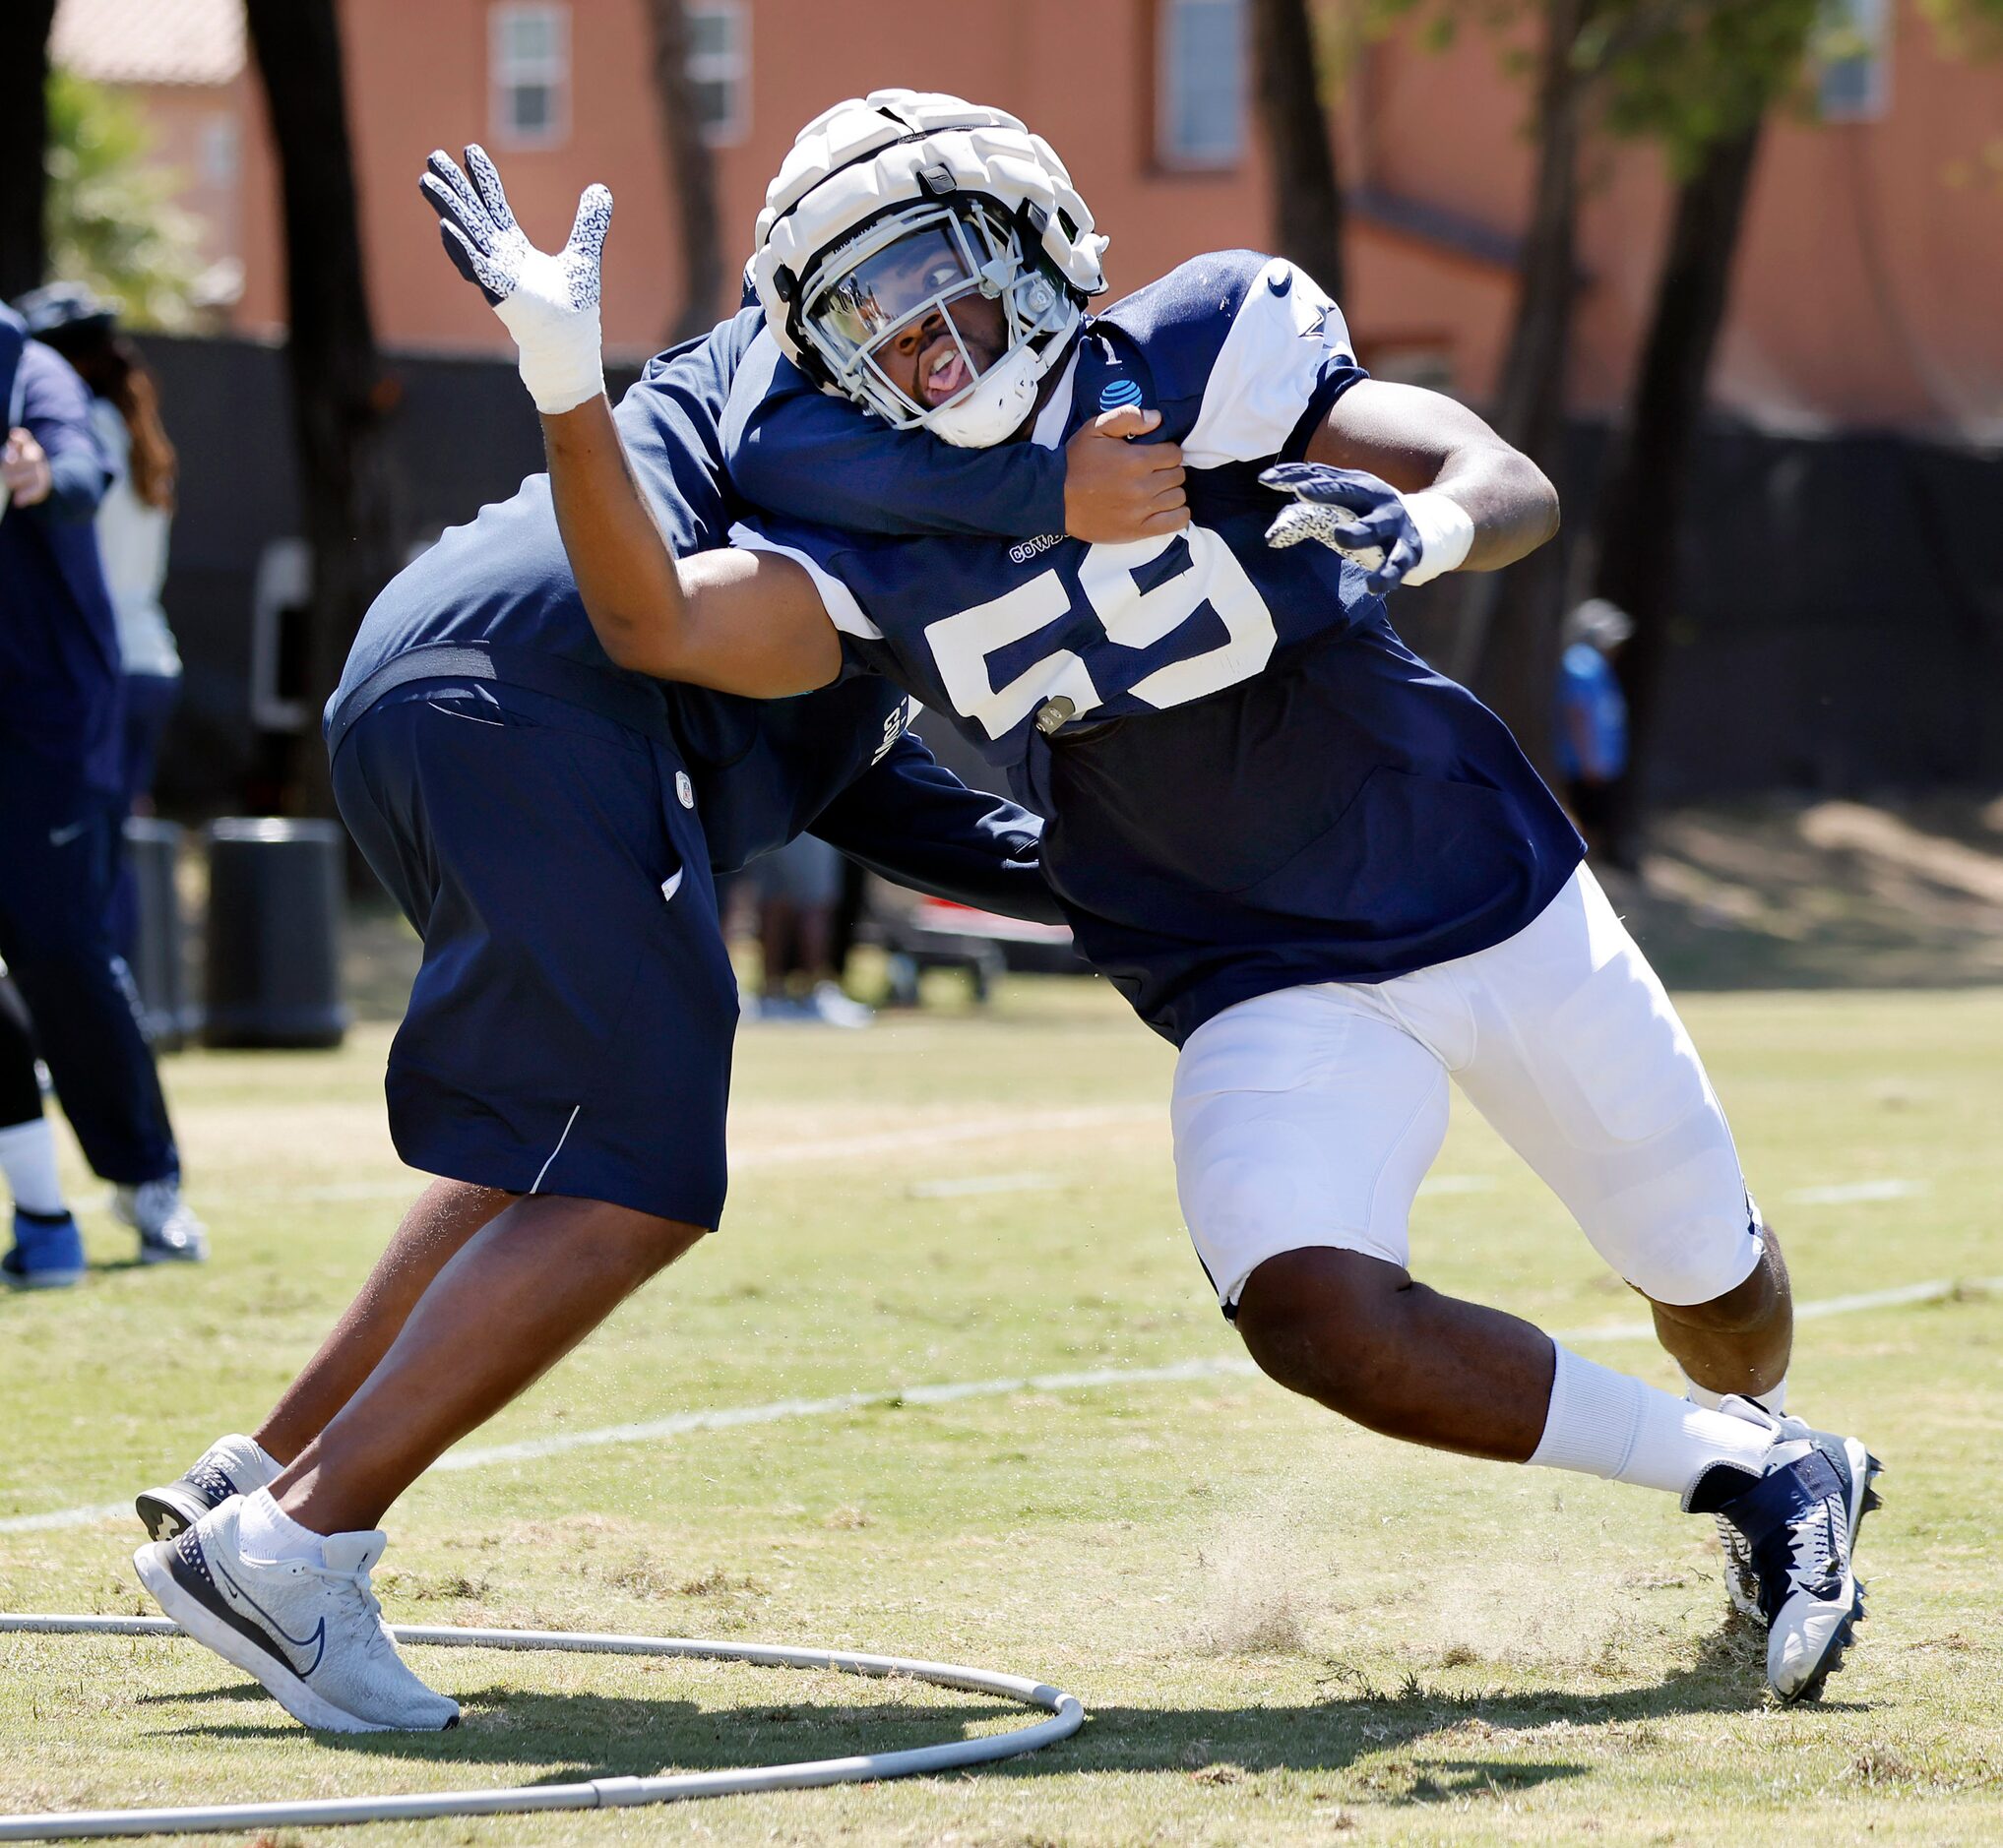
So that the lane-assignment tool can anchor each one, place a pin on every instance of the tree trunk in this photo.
(1648, 484)
(338, 392)
(1507, 648)
(691, 173)
(24, 138)
(1307, 199)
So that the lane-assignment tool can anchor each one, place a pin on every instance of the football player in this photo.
(550, 825)
(1321, 869)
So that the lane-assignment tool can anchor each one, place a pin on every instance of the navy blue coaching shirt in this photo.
(1251, 783)
(61, 687)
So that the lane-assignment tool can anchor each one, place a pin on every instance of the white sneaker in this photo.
(832, 1008)
(168, 1233)
(232, 1465)
(312, 1634)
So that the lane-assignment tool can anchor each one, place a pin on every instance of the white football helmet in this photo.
(889, 211)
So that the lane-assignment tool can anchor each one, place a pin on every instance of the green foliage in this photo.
(111, 218)
(1686, 73)
(1708, 72)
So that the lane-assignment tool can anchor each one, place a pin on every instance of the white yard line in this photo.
(1457, 1184)
(1226, 1366)
(788, 1154)
(960, 1185)
(1851, 1193)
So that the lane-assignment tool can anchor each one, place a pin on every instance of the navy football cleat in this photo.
(1795, 1526)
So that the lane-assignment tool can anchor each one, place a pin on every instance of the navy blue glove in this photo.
(1351, 512)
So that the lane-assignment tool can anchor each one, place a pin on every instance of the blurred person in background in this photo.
(61, 785)
(44, 1230)
(1593, 718)
(798, 889)
(133, 522)
(48, 1253)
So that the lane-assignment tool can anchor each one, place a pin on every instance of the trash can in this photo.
(160, 969)
(274, 949)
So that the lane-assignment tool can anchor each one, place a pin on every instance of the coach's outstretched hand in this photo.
(549, 304)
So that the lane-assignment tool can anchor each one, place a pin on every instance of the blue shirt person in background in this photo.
(61, 715)
(1591, 716)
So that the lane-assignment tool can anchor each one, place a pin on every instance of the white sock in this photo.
(1773, 1399)
(1604, 1423)
(28, 1158)
(264, 1531)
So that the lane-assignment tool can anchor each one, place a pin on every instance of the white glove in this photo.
(549, 304)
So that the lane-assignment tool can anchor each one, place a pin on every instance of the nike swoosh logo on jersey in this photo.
(317, 1642)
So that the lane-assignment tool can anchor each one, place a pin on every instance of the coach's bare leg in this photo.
(1359, 1336)
(439, 1222)
(519, 1295)
(1737, 1343)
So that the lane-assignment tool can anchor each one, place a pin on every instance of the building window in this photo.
(528, 52)
(220, 150)
(719, 68)
(1853, 52)
(1200, 117)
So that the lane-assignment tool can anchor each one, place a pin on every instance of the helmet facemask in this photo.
(938, 295)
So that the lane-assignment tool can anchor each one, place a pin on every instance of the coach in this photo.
(61, 712)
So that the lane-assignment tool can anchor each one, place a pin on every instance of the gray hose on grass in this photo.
(601, 1793)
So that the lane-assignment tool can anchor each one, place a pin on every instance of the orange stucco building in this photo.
(1866, 290)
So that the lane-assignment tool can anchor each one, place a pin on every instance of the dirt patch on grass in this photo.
(1786, 893)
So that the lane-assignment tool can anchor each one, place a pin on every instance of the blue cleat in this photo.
(1795, 1526)
(47, 1254)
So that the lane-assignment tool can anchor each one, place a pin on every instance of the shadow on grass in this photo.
(588, 1736)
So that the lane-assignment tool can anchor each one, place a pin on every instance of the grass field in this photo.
(1284, 1630)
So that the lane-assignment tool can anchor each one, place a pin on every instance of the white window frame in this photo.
(506, 73)
(1167, 153)
(1869, 21)
(730, 67)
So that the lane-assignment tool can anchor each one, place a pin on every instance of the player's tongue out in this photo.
(942, 371)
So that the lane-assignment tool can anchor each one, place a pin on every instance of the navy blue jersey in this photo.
(61, 684)
(763, 772)
(1251, 783)
(13, 337)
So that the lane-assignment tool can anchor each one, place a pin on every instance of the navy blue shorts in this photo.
(570, 1030)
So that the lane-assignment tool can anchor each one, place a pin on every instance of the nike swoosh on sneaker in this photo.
(195, 1578)
(317, 1642)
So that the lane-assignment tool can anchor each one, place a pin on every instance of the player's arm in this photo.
(54, 459)
(747, 623)
(739, 621)
(911, 820)
(1412, 483)
(796, 451)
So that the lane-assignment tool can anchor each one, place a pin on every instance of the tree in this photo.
(691, 172)
(1307, 198)
(1708, 107)
(339, 393)
(110, 217)
(24, 137)
(1507, 645)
